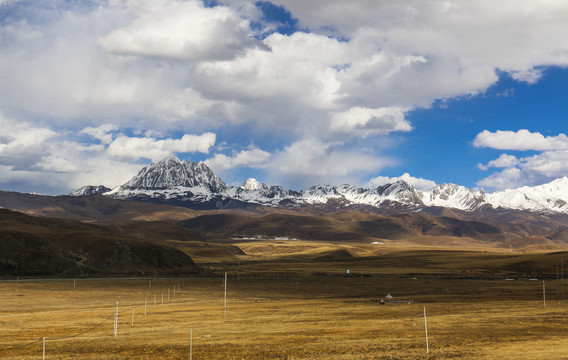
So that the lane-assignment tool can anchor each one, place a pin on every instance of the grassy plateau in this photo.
(292, 300)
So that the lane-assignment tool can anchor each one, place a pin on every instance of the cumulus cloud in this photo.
(551, 162)
(102, 133)
(154, 149)
(253, 158)
(194, 66)
(181, 30)
(370, 121)
(476, 32)
(520, 140)
(354, 72)
(503, 161)
(509, 178)
(311, 161)
(419, 183)
(22, 143)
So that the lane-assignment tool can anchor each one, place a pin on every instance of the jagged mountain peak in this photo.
(168, 160)
(453, 196)
(394, 188)
(170, 172)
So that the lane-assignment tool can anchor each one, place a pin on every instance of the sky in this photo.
(290, 92)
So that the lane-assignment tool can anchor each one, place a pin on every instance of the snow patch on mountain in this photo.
(251, 185)
(90, 190)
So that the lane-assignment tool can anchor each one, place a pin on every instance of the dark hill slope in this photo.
(31, 246)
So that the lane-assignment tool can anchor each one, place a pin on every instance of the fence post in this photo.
(426, 330)
(44, 348)
(116, 321)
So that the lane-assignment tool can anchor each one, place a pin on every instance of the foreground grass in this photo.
(325, 317)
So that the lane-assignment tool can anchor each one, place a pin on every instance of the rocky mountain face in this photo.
(171, 173)
(195, 185)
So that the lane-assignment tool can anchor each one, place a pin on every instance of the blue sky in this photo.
(290, 92)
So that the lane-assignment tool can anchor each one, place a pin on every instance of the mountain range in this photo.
(194, 185)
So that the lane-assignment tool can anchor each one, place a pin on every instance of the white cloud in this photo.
(22, 143)
(102, 133)
(504, 161)
(252, 158)
(370, 121)
(520, 140)
(135, 61)
(419, 183)
(551, 162)
(311, 161)
(548, 164)
(511, 35)
(181, 30)
(530, 76)
(509, 178)
(531, 170)
(154, 149)
(169, 65)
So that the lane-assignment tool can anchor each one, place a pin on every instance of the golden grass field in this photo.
(284, 303)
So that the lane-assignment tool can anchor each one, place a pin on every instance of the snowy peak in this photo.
(394, 188)
(251, 185)
(170, 172)
(90, 190)
(551, 197)
(453, 196)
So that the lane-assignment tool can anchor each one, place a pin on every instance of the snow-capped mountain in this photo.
(192, 184)
(170, 173)
(170, 179)
(551, 197)
(453, 196)
(90, 190)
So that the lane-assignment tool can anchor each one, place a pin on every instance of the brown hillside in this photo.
(31, 246)
(356, 226)
(94, 208)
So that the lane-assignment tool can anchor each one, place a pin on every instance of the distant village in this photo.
(263, 237)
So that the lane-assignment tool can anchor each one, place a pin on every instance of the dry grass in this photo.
(328, 317)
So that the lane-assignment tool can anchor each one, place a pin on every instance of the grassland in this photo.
(292, 301)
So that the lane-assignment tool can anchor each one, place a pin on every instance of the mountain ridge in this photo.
(195, 185)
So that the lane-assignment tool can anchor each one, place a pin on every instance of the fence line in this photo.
(42, 339)
(59, 338)
(128, 309)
